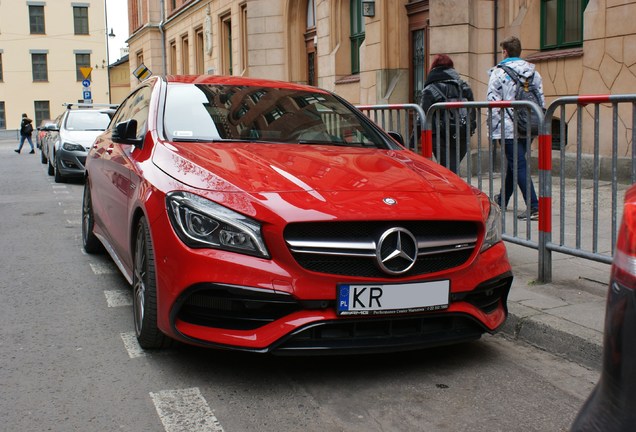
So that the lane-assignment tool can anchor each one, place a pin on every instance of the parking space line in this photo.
(131, 345)
(74, 221)
(100, 269)
(185, 410)
(118, 298)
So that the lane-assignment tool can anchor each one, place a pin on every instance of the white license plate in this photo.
(373, 299)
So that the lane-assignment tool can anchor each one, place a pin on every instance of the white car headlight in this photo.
(73, 147)
(201, 223)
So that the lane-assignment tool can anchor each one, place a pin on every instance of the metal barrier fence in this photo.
(581, 207)
(404, 119)
(588, 217)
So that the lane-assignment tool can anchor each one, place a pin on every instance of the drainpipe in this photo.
(496, 25)
(163, 38)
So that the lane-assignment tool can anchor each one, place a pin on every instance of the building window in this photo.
(357, 34)
(36, 19)
(39, 67)
(80, 19)
(1, 76)
(226, 45)
(562, 23)
(199, 50)
(82, 61)
(185, 55)
(173, 58)
(3, 116)
(42, 111)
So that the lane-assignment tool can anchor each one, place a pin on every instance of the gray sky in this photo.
(117, 17)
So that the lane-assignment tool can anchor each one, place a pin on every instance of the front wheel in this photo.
(58, 175)
(90, 242)
(145, 291)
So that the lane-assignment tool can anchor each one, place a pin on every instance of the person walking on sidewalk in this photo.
(443, 84)
(501, 86)
(26, 129)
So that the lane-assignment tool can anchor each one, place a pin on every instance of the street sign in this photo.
(86, 83)
(142, 72)
(87, 94)
(86, 71)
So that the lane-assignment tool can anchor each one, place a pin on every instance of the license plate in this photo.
(376, 299)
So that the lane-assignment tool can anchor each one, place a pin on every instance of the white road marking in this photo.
(118, 298)
(132, 346)
(100, 269)
(74, 221)
(61, 192)
(72, 211)
(185, 410)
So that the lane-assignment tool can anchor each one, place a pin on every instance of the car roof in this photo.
(235, 80)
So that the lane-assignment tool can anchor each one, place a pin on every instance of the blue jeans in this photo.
(523, 174)
(25, 137)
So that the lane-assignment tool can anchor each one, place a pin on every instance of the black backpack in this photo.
(28, 128)
(455, 117)
(526, 91)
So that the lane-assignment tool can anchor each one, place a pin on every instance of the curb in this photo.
(554, 335)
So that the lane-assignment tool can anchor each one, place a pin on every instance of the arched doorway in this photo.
(418, 46)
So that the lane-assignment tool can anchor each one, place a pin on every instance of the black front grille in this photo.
(487, 295)
(380, 335)
(349, 248)
(231, 307)
(366, 267)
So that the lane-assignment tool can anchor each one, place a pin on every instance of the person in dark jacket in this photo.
(443, 84)
(26, 129)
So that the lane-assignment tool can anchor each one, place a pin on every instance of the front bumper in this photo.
(230, 301)
(71, 163)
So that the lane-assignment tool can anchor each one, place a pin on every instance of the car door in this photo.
(119, 181)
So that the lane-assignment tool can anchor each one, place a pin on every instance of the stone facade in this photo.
(267, 41)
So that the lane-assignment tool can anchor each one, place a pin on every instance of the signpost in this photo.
(86, 84)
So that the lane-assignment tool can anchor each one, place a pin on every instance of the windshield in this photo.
(87, 120)
(196, 112)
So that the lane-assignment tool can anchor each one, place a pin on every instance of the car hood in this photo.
(85, 138)
(320, 176)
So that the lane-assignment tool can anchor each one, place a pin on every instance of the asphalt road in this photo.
(69, 361)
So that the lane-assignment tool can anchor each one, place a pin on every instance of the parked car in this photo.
(273, 217)
(610, 407)
(41, 131)
(68, 140)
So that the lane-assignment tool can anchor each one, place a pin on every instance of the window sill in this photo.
(348, 79)
(556, 54)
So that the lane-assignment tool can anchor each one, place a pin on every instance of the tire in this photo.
(58, 174)
(51, 170)
(91, 243)
(145, 291)
(42, 157)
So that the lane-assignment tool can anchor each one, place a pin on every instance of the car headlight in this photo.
(201, 223)
(73, 147)
(493, 226)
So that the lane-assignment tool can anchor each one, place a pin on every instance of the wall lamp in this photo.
(368, 8)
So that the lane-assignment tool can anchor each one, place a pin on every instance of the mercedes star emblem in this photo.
(396, 251)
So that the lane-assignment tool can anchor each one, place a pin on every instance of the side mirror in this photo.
(50, 128)
(397, 137)
(126, 133)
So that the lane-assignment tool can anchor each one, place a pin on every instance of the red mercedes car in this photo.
(273, 217)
